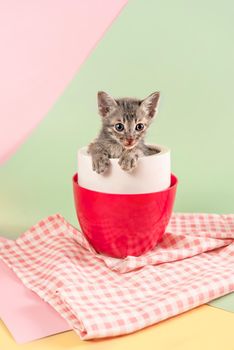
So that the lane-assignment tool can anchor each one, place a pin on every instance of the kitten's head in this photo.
(127, 119)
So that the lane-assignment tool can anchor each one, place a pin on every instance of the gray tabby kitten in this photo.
(124, 125)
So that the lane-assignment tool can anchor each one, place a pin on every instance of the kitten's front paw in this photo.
(128, 161)
(100, 163)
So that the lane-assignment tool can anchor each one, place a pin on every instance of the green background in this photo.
(182, 48)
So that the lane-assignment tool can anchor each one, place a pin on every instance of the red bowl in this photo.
(119, 225)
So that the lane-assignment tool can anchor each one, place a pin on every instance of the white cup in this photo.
(152, 174)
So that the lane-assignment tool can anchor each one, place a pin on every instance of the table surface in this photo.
(204, 327)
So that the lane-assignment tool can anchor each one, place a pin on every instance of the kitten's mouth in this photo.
(129, 146)
(129, 143)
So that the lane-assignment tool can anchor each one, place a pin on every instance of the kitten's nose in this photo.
(129, 141)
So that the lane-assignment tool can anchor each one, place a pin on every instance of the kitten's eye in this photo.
(119, 127)
(139, 127)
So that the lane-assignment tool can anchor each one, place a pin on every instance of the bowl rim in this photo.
(174, 181)
(83, 152)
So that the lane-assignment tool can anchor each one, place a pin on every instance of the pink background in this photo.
(42, 45)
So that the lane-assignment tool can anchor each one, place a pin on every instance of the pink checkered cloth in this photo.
(101, 296)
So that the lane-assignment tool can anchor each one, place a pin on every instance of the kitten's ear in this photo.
(149, 104)
(105, 103)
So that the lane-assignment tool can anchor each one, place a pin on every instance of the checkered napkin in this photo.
(101, 296)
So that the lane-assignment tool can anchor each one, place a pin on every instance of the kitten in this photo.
(124, 125)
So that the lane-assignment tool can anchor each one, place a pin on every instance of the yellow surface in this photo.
(205, 328)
